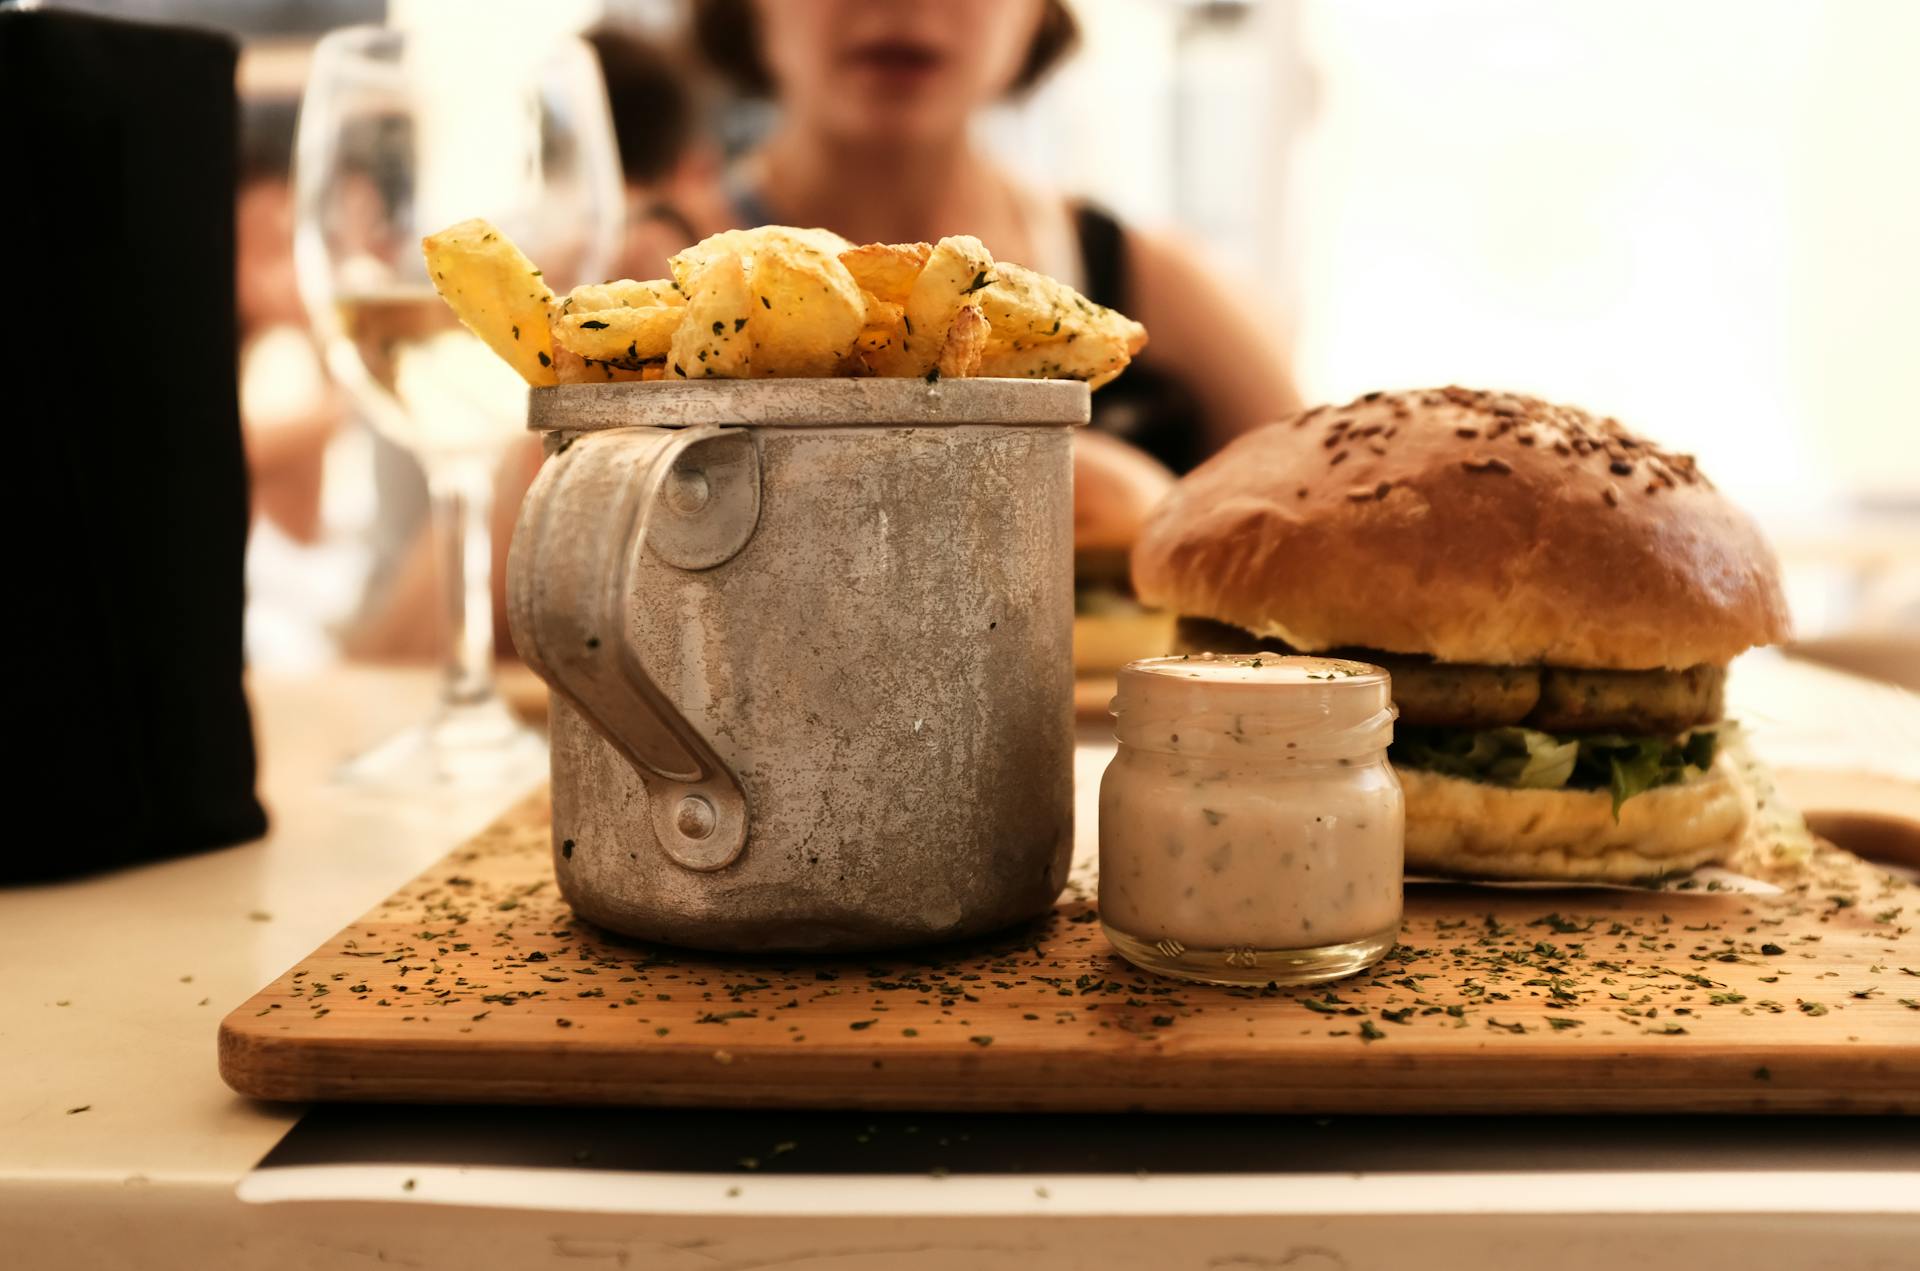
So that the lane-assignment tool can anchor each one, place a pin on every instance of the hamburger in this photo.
(1115, 487)
(1556, 599)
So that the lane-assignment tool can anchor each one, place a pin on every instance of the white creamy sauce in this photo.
(1250, 805)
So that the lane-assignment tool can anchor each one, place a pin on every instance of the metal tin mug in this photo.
(809, 649)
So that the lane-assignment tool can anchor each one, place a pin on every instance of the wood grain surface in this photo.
(475, 983)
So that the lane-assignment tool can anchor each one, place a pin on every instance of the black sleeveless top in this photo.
(1144, 405)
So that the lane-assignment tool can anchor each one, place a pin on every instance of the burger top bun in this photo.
(1115, 487)
(1470, 526)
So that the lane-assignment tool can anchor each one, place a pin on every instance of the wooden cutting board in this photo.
(475, 983)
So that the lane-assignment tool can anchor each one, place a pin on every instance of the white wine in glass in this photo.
(402, 132)
(440, 391)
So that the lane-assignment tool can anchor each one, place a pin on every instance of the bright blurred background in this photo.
(1697, 217)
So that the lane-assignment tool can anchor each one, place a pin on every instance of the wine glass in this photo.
(401, 133)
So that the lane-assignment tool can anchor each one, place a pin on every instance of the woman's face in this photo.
(893, 69)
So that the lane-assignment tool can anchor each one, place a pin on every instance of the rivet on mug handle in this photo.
(688, 490)
(708, 501)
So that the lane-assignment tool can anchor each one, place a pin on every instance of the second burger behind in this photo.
(1115, 489)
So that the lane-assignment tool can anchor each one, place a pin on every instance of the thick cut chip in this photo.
(623, 293)
(1095, 357)
(1044, 329)
(886, 327)
(571, 368)
(629, 336)
(497, 292)
(783, 302)
(747, 244)
(966, 341)
(958, 268)
(712, 341)
(1026, 308)
(887, 270)
(807, 312)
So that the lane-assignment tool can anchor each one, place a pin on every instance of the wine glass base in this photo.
(477, 746)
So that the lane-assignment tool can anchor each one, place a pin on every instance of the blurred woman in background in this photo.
(672, 167)
(874, 140)
(876, 103)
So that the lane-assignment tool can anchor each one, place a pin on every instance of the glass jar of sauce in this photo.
(1251, 828)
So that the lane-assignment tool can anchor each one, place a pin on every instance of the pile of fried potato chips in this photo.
(776, 301)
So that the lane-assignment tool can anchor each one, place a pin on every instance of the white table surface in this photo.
(113, 988)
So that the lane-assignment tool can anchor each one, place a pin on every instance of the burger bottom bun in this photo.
(1473, 830)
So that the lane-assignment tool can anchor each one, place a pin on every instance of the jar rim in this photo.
(1260, 670)
(1254, 704)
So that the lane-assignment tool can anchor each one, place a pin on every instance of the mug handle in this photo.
(691, 496)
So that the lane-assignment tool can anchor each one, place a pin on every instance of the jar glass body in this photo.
(1237, 847)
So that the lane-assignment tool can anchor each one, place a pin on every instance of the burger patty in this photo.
(1429, 692)
(1550, 698)
(1579, 701)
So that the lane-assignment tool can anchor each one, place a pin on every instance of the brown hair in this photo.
(650, 99)
(727, 33)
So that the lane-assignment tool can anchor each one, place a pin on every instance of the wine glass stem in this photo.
(462, 494)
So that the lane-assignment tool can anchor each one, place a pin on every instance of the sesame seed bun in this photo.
(1469, 526)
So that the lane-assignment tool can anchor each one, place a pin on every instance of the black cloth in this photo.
(117, 368)
(1146, 405)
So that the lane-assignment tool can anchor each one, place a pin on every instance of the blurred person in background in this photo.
(874, 139)
(289, 410)
(673, 168)
(876, 102)
(314, 545)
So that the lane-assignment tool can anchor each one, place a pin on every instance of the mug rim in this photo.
(809, 403)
